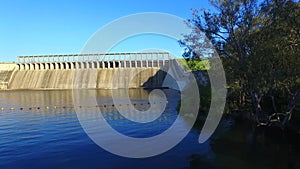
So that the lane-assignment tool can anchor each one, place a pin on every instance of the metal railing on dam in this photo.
(94, 61)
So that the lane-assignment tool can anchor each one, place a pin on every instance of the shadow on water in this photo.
(242, 145)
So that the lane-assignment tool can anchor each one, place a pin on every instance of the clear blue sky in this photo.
(30, 27)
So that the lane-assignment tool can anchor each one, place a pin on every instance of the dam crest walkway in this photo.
(94, 61)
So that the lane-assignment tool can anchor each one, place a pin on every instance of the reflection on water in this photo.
(34, 98)
(43, 132)
(241, 145)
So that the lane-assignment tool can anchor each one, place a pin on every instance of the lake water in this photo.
(43, 131)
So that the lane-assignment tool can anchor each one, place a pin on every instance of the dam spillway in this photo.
(90, 71)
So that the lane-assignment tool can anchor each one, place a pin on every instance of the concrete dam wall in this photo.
(94, 71)
(6, 70)
(86, 78)
(88, 71)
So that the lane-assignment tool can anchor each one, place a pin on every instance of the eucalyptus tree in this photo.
(258, 44)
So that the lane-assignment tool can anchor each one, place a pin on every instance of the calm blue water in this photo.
(43, 131)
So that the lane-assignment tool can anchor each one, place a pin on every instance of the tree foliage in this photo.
(258, 43)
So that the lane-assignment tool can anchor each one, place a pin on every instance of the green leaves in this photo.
(259, 45)
(198, 64)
